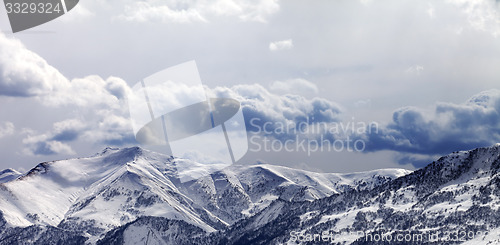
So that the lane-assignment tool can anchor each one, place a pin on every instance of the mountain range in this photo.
(133, 196)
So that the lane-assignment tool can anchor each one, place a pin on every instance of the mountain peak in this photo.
(108, 150)
(134, 150)
(8, 175)
(9, 171)
(93, 195)
(131, 155)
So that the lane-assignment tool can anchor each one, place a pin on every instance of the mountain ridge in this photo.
(457, 194)
(142, 200)
(91, 196)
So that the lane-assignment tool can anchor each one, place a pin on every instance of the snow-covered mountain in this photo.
(451, 201)
(133, 195)
(8, 175)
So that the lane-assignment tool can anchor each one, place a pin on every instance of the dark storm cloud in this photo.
(448, 127)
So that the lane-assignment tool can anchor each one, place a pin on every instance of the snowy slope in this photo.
(241, 191)
(8, 175)
(457, 197)
(96, 194)
(133, 196)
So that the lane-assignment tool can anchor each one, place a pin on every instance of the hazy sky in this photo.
(427, 72)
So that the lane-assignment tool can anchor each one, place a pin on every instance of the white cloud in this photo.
(101, 102)
(6, 129)
(294, 86)
(24, 73)
(281, 45)
(145, 11)
(67, 130)
(257, 11)
(482, 15)
(198, 11)
(258, 102)
(108, 128)
(416, 69)
(89, 91)
(43, 145)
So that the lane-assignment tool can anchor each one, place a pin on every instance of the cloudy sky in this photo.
(426, 72)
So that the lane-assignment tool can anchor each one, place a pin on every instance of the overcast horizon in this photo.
(425, 72)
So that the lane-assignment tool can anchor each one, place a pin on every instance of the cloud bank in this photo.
(101, 102)
(197, 10)
(415, 133)
(258, 102)
(445, 128)
(24, 73)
